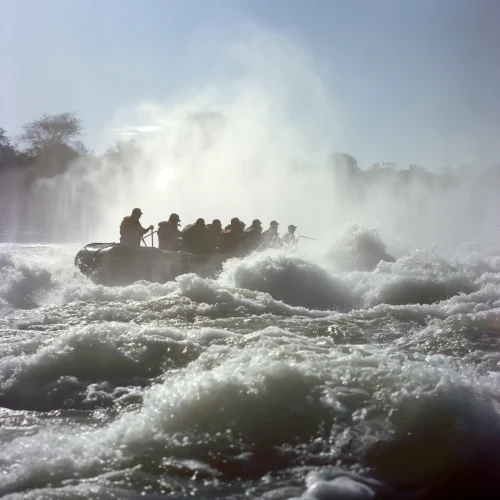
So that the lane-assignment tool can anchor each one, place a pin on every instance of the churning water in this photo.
(283, 378)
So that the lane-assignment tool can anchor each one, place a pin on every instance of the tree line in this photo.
(51, 141)
(47, 148)
(51, 146)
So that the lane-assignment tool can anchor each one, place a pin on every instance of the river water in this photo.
(292, 375)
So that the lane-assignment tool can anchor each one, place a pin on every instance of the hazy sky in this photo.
(412, 81)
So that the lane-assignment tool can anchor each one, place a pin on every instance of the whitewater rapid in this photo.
(316, 376)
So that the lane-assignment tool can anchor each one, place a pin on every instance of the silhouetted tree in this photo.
(8, 153)
(346, 162)
(52, 130)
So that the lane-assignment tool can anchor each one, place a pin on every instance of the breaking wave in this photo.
(324, 375)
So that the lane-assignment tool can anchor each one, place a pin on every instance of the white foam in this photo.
(232, 387)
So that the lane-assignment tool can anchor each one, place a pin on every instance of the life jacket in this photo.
(252, 230)
(130, 223)
(270, 239)
(270, 235)
(210, 238)
(166, 224)
(168, 236)
(130, 231)
(289, 239)
(229, 239)
(193, 236)
(188, 229)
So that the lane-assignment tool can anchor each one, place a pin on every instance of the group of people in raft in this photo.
(201, 238)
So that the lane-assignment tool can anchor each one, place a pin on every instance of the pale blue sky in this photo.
(413, 81)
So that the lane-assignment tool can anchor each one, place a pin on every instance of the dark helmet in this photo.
(174, 218)
(235, 221)
(137, 212)
(200, 222)
(274, 223)
(256, 223)
(216, 223)
(291, 227)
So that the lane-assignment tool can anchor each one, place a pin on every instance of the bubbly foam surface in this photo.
(285, 377)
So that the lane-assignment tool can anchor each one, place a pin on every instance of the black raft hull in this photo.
(116, 264)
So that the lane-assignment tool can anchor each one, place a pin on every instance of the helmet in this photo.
(216, 223)
(256, 222)
(274, 223)
(291, 227)
(174, 218)
(136, 212)
(200, 222)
